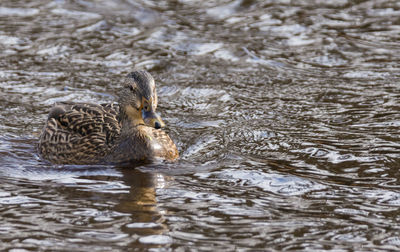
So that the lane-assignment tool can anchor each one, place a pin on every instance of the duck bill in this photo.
(152, 119)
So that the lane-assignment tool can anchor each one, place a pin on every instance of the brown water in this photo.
(286, 115)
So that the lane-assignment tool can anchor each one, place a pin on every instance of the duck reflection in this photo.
(141, 202)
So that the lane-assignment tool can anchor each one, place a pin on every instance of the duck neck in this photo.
(130, 119)
(127, 125)
(133, 143)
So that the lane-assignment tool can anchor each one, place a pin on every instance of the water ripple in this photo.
(285, 114)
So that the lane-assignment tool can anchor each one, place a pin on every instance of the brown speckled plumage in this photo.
(84, 133)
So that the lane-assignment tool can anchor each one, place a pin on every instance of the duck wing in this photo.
(79, 133)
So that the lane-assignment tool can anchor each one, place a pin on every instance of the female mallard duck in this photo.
(130, 131)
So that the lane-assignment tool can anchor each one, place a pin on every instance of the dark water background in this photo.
(286, 115)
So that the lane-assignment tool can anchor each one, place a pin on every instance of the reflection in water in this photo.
(141, 203)
(124, 211)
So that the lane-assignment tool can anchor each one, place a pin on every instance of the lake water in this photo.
(285, 113)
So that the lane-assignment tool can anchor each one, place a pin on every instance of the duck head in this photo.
(138, 100)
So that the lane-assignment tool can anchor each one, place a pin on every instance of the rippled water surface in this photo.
(286, 115)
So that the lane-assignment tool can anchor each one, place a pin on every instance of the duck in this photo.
(128, 131)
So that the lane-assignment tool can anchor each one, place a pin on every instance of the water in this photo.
(285, 114)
